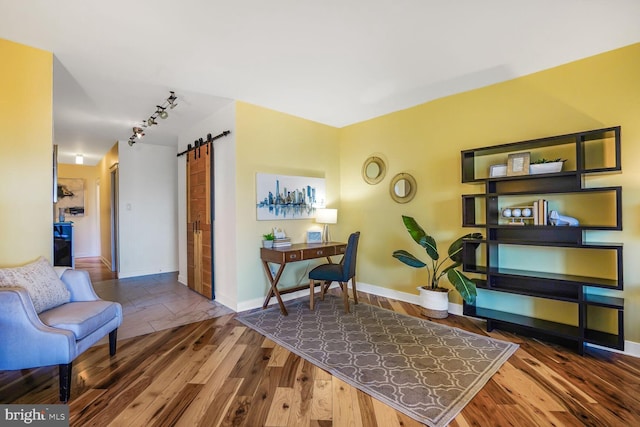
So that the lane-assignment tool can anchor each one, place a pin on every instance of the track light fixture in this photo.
(138, 132)
(161, 111)
(172, 100)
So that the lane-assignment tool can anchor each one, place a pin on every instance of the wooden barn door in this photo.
(199, 220)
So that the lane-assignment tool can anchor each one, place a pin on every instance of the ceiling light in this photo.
(172, 100)
(79, 159)
(138, 132)
(161, 111)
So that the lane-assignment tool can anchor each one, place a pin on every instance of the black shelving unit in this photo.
(590, 152)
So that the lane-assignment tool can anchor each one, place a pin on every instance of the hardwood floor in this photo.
(150, 303)
(98, 271)
(217, 372)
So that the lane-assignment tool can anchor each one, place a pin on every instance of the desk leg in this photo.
(273, 290)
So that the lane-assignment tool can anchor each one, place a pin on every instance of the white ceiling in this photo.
(333, 61)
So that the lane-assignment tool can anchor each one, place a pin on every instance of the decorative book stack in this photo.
(282, 242)
(540, 212)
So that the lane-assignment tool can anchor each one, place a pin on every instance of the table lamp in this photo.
(326, 217)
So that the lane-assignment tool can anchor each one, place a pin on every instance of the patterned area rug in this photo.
(421, 368)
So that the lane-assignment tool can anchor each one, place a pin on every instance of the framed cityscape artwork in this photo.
(288, 197)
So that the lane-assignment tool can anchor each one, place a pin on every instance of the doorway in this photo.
(115, 244)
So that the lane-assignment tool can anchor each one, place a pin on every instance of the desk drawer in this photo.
(279, 256)
(318, 252)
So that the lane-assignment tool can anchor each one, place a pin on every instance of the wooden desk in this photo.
(294, 253)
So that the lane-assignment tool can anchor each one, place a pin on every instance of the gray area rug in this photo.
(421, 368)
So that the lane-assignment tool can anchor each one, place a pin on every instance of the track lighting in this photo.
(172, 100)
(138, 132)
(161, 111)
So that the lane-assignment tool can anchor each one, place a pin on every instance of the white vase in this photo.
(551, 167)
(434, 302)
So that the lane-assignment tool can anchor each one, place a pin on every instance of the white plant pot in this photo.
(267, 244)
(545, 168)
(435, 303)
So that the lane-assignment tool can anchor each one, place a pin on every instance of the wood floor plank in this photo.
(322, 403)
(279, 356)
(220, 405)
(343, 407)
(195, 413)
(210, 365)
(175, 408)
(280, 409)
(303, 395)
(384, 414)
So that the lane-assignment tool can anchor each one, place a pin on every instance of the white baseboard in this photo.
(137, 273)
(257, 302)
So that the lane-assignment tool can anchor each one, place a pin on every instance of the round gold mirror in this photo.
(403, 188)
(373, 170)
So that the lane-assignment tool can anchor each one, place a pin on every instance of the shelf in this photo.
(604, 339)
(540, 289)
(587, 149)
(551, 328)
(556, 277)
(604, 301)
(586, 153)
(583, 245)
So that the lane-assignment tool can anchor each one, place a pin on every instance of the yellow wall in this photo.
(426, 141)
(272, 142)
(26, 144)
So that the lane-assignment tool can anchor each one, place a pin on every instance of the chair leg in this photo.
(64, 372)
(113, 337)
(324, 287)
(311, 286)
(345, 296)
(355, 292)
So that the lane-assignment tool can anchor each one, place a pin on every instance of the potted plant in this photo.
(434, 298)
(546, 166)
(267, 240)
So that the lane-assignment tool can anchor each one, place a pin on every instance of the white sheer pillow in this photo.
(40, 280)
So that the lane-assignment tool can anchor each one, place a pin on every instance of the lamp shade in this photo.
(327, 216)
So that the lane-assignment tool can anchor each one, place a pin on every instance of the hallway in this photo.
(150, 303)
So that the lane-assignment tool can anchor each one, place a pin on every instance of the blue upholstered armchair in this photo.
(58, 335)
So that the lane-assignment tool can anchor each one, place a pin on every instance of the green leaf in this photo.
(408, 259)
(455, 250)
(463, 285)
(421, 237)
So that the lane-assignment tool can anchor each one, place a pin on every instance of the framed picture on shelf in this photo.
(314, 236)
(518, 164)
(496, 171)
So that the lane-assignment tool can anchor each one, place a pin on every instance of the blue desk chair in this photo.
(341, 273)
